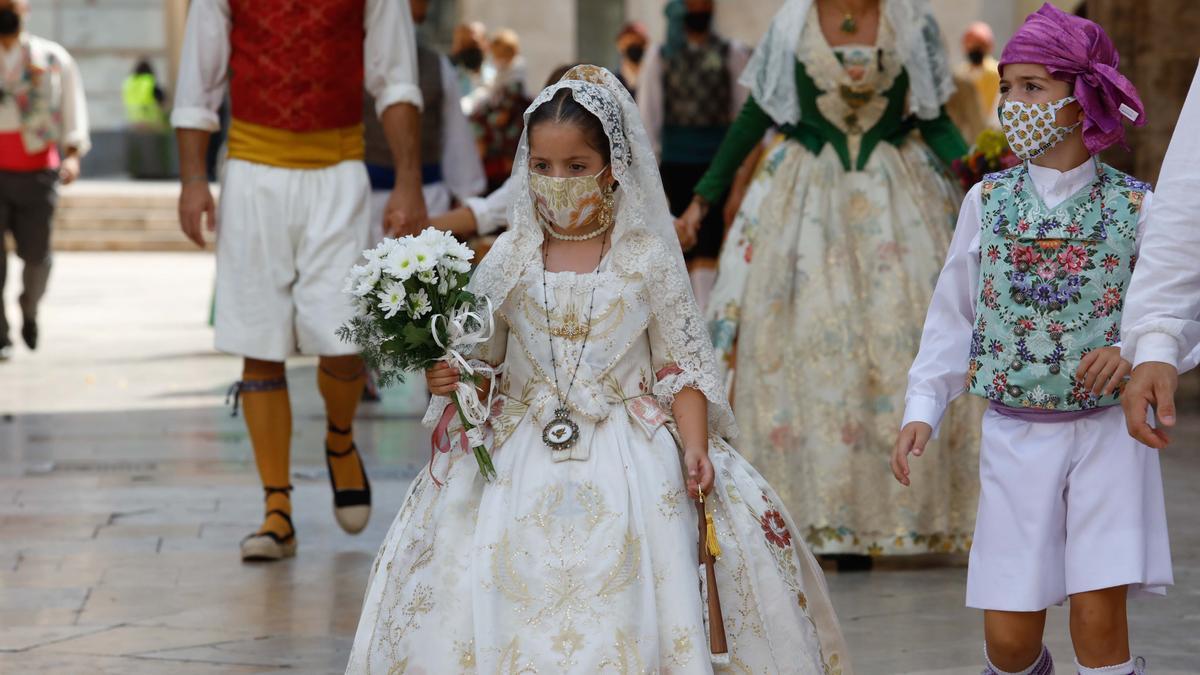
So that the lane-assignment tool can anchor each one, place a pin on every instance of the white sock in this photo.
(1035, 667)
(703, 279)
(1119, 669)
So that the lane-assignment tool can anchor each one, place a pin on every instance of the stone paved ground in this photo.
(125, 486)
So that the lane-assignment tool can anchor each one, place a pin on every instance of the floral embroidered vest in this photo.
(38, 95)
(1052, 284)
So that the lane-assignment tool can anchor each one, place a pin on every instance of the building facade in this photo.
(107, 37)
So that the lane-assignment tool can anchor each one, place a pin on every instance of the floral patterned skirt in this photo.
(589, 566)
(820, 300)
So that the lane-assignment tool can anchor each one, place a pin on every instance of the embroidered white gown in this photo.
(586, 561)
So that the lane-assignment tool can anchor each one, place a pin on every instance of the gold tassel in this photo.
(710, 531)
(714, 548)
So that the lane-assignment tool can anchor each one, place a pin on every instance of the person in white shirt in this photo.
(451, 170)
(43, 135)
(689, 94)
(294, 209)
(1026, 314)
(1161, 326)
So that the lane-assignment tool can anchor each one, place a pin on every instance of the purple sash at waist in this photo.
(1039, 415)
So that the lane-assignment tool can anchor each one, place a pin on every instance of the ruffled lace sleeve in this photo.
(682, 349)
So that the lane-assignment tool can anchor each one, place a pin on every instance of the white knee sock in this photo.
(1119, 669)
(703, 279)
(1042, 665)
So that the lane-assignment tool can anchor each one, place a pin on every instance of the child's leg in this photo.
(1099, 627)
(1014, 639)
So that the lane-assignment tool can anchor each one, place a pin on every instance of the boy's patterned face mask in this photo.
(1031, 128)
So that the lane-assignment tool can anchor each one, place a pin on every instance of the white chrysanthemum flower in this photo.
(425, 257)
(364, 278)
(435, 240)
(459, 250)
(419, 305)
(456, 264)
(391, 299)
(427, 276)
(401, 263)
(374, 254)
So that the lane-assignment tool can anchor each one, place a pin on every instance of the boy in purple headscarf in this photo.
(1026, 314)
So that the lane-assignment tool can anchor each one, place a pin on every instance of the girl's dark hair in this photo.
(564, 109)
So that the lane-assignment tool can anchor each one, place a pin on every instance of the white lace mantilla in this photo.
(644, 242)
(771, 73)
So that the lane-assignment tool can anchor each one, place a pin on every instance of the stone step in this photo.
(122, 240)
(115, 219)
(120, 216)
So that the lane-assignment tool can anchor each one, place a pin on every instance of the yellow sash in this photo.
(294, 149)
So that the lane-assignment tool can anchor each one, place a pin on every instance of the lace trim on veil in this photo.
(644, 240)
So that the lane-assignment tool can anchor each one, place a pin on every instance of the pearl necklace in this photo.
(575, 237)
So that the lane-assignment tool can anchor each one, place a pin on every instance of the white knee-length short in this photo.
(1064, 508)
(286, 238)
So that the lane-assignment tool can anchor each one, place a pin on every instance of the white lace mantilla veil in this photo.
(770, 74)
(643, 241)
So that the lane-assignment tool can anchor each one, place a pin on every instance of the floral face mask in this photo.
(567, 203)
(1031, 129)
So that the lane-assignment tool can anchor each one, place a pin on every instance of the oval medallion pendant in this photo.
(561, 433)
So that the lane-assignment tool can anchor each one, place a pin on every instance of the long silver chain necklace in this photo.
(562, 432)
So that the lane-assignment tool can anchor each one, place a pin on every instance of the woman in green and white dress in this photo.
(826, 273)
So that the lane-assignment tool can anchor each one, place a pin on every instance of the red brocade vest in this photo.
(296, 81)
(297, 65)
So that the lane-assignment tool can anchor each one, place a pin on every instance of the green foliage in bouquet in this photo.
(413, 309)
(400, 289)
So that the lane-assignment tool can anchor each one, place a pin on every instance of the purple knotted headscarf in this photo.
(1073, 47)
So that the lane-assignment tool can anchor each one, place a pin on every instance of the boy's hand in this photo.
(700, 473)
(442, 379)
(1102, 370)
(913, 438)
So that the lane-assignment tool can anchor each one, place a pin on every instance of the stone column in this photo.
(1156, 39)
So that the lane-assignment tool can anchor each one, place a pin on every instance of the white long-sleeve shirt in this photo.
(491, 212)
(72, 103)
(939, 373)
(1161, 321)
(462, 170)
(389, 60)
(650, 90)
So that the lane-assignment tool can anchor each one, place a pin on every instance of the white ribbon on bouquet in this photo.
(460, 337)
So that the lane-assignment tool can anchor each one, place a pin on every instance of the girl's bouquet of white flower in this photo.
(413, 310)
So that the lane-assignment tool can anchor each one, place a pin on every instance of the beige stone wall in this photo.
(1156, 39)
(106, 42)
(546, 27)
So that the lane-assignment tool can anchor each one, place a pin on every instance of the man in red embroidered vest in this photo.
(293, 216)
(43, 134)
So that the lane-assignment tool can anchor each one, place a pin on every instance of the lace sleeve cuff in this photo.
(672, 379)
(433, 414)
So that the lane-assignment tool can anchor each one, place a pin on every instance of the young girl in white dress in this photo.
(608, 419)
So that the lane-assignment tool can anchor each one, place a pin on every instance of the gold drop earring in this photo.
(607, 208)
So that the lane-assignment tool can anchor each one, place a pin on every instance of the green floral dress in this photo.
(821, 296)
